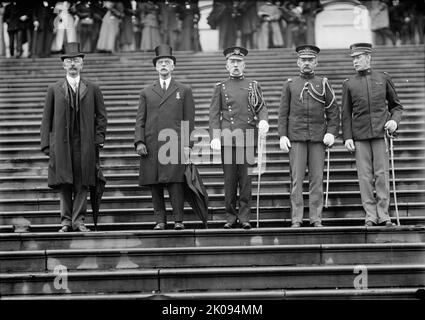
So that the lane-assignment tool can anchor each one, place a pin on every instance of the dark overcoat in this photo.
(157, 112)
(55, 131)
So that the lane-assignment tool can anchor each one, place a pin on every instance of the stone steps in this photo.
(216, 279)
(213, 256)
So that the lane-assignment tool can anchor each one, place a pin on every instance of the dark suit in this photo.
(229, 110)
(174, 112)
(71, 128)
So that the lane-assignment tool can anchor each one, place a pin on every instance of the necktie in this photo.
(164, 86)
(74, 86)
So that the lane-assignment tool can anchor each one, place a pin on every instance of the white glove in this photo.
(215, 144)
(263, 127)
(285, 144)
(391, 126)
(349, 144)
(329, 139)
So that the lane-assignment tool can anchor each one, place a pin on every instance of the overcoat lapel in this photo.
(157, 89)
(63, 88)
(82, 89)
(170, 91)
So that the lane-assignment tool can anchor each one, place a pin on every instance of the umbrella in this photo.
(96, 191)
(195, 193)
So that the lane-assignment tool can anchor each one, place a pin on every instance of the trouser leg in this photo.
(316, 160)
(79, 208)
(228, 155)
(244, 192)
(65, 195)
(298, 163)
(365, 175)
(175, 190)
(381, 175)
(158, 203)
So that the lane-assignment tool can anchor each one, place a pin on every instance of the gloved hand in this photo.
(329, 139)
(391, 126)
(285, 144)
(263, 127)
(141, 149)
(215, 144)
(349, 144)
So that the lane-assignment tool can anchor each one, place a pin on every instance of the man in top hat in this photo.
(308, 123)
(234, 123)
(370, 108)
(73, 126)
(166, 109)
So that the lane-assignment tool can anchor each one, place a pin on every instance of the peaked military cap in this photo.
(307, 51)
(163, 51)
(235, 52)
(359, 48)
(72, 49)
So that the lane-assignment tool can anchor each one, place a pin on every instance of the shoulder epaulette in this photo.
(218, 83)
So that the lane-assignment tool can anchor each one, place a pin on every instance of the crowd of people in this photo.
(44, 27)
(117, 26)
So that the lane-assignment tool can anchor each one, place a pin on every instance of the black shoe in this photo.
(317, 224)
(178, 226)
(82, 228)
(389, 224)
(246, 225)
(159, 226)
(65, 229)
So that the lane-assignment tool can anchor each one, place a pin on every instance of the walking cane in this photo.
(327, 176)
(259, 164)
(391, 136)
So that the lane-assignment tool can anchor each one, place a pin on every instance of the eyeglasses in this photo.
(165, 61)
(69, 60)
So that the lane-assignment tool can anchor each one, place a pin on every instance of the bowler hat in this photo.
(307, 51)
(359, 48)
(163, 51)
(235, 52)
(72, 49)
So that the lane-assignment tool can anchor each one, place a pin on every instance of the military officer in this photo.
(237, 109)
(365, 118)
(308, 122)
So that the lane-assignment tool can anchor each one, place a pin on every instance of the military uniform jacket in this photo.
(308, 109)
(230, 110)
(158, 111)
(364, 107)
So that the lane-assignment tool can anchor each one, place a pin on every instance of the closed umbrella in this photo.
(96, 191)
(195, 193)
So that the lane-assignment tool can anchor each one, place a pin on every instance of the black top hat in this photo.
(163, 51)
(307, 51)
(72, 49)
(359, 48)
(235, 52)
